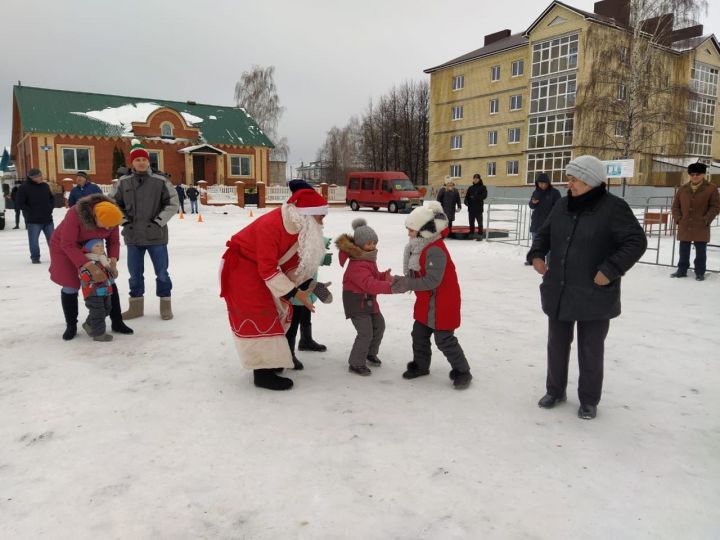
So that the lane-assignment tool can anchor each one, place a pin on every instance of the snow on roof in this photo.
(189, 149)
(212, 117)
(125, 115)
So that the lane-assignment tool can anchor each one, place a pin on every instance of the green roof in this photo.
(44, 110)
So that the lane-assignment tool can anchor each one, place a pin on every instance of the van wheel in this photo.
(376, 208)
(393, 208)
(354, 206)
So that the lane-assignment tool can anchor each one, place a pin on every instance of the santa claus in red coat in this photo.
(266, 264)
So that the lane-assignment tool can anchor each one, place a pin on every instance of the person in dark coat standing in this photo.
(541, 202)
(695, 206)
(13, 197)
(449, 199)
(36, 201)
(83, 187)
(181, 197)
(475, 201)
(193, 194)
(593, 239)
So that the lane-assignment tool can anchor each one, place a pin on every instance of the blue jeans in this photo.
(193, 207)
(33, 231)
(136, 268)
(700, 257)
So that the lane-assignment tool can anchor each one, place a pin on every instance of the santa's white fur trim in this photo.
(313, 210)
(264, 352)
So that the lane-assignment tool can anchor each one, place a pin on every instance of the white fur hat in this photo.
(428, 220)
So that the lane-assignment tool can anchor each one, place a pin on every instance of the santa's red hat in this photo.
(309, 202)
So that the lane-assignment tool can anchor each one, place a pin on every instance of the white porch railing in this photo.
(222, 194)
(277, 194)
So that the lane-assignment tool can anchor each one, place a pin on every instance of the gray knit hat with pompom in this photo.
(362, 234)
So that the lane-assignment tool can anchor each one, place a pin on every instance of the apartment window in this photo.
(702, 111)
(620, 128)
(457, 112)
(550, 131)
(552, 163)
(494, 106)
(553, 94)
(555, 55)
(166, 130)
(516, 102)
(239, 166)
(624, 55)
(622, 92)
(514, 135)
(455, 171)
(699, 142)
(704, 79)
(76, 159)
(492, 138)
(513, 168)
(492, 168)
(456, 142)
(518, 68)
(495, 73)
(458, 82)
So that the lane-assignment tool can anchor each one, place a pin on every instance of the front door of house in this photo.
(198, 168)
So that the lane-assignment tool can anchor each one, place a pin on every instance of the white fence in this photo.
(280, 194)
(222, 194)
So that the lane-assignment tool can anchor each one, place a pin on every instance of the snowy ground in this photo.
(161, 435)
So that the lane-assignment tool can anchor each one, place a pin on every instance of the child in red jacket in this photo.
(430, 272)
(362, 282)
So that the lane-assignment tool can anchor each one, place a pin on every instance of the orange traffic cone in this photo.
(200, 219)
(182, 215)
(251, 214)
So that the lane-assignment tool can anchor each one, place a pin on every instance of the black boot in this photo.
(116, 315)
(306, 340)
(297, 364)
(548, 401)
(267, 378)
(70, 309)
(413, 371)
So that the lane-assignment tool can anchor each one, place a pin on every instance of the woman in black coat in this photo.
(475, 201)
(541, 202)
(449, 199)
(593, 239)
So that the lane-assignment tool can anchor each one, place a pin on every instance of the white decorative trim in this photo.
(279, 284)
(264, 352)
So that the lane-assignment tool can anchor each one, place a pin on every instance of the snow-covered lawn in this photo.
(162, 435)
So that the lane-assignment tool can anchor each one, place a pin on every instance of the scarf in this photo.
(413, 249)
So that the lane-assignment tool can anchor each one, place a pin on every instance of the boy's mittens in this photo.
(399, 285)
(321, 291)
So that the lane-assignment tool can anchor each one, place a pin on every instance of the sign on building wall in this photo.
(620, 168)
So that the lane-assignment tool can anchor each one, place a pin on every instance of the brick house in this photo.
(62, 132)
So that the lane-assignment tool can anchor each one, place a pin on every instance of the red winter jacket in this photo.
(362, 280)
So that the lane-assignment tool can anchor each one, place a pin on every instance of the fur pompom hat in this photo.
(427, 220)
(362, 233)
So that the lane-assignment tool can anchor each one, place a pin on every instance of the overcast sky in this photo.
(330, 57)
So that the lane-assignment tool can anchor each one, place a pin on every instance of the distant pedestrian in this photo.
(695, 206)
(83, 187)
(16, 207)
(541, 202)
(181, 197)
(475, 201)
(449, 199)
(36, 201)
(193, 194)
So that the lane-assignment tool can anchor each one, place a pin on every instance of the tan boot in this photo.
(136, 308)
(165, 308)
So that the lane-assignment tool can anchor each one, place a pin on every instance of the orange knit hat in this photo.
(107, 214)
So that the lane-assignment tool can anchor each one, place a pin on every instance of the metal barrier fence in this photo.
(654, 214)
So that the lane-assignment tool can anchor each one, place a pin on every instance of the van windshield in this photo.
(402, 184)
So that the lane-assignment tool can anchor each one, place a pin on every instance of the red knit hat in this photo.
(137, 150)
(309, 202)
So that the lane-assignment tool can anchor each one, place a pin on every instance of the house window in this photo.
(624, 55)
(552, 163)
(553, 94)
(620, 129)
(240, 166)
(702, 111)
(166, 130)
(455, 171)
(494, 106)
(458, 82)
(495, 73)
(514, 135)
(550, 131)
(555, 55)
(518, 68)
(513, 168)
(491, 168)
(456, 142)
(457, 112)
(492, 138)
(622, 92)
(76, 159)
(516, 102)
(155, 161)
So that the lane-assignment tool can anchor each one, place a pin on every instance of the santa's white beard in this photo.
(311, 245)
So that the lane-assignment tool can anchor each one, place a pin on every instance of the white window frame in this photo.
(458, 82)
(492, 138)
(517, 100)
(456, 142)
(699, 142)
(620, 129)
(552, 163)
(74, 149)
(240, 157)
(518, 68)
(550, 131)
(702, 111)
(555, 55)
(553, 94)
(622, 92)
(458, 112)
(172, 130)
(495, 73)
(160, 160)
(492, 168)
(514, 135)
(496, 103)
(512, 164)
(455, 171)
(704, 79)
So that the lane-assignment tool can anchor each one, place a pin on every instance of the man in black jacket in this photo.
(541, 202)
(35, 200)
(193, 194)
(593, 239)
(475, 201)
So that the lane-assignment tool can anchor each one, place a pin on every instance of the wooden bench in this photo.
(660, 219)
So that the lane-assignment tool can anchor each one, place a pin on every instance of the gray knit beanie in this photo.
(589, 169)
(362, 234)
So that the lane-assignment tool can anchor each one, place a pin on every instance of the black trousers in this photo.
(301, 317)
(700, 257)
(591, 354)
(17, 217)
(445, 341)
(475, 217)
(98, 308)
